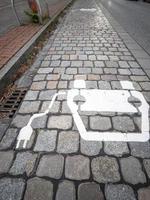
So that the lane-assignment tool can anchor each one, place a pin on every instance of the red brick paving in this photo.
(14, 40)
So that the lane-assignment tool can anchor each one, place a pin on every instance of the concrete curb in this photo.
(13, 64)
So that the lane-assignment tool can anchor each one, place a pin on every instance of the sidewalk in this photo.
(57, 163)
(12, 41)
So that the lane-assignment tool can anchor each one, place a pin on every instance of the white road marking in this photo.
(127, 85)
(88, 9)
(26, 132)
(99, 101)
(109, 101)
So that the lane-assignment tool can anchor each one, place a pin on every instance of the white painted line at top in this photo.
(88, 9)
(127, 85)
(79, 84)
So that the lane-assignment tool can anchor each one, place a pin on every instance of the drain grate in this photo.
(10, 105)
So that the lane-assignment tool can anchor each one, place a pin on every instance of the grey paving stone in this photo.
(123, 77)
(134, 64)
(47, 94)
(55, 63)
(45, 63)
(137, 71)
(119, 192)
(84, 70)
(123, 64)
(146, 163)
(56, 57)
(66, 191)
(123, 123)
(77, 167)
(102, 57)
(68, 142)
(20, 120)
(63, 122)
(45, 70)
(38, 189)
(105, 169)
(104, 85)
(24, 163)
(97, 70)
(3, 127)
(65, 63)
(124, 71)
(39, 77)
(51, 85)
(88, 64)
(39, 122)
(99, 64)
(31, 95)
(51, 166)
(62, 84)
(90, 148)
(83, 57)
(116, 85)
(65, 109)
(139, 78)
(6, 159)
(40, 85)
(92, 57)
(144, 193)
(46, 140)
(53, 77)
(145, 86)
(11, 188)
(127, 58)
(76, 63)
(132, 171)
(110, 70)
(136, 86)
(109, 77)
(114, 58)
(147, 96)
(100, 123)
(116, 148)
(66, 77)
(93, 77)
(58, 70)
(9, 138)
(29, 107)
(54, 109)
(89, 191)
(147, 71)
(80, 77)
(140, 149)
(71, 71)
(111, 64)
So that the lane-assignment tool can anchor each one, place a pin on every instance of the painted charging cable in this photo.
(26, 132)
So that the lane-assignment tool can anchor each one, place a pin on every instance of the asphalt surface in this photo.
(134, 17)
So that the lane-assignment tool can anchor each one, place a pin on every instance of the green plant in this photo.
(33, 15)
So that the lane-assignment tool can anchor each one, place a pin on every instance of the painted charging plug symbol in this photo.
(26, 132)
(98, 101)
(108, 101)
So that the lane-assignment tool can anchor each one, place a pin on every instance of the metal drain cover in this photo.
(10, 105)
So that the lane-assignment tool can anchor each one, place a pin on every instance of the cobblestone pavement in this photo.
(58, 163)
